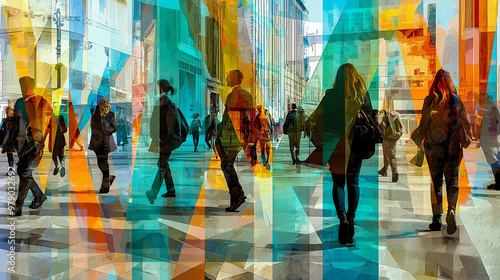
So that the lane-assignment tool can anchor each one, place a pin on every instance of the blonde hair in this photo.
(9, 111)
(351, 82)
(388, 106)
(104, 106)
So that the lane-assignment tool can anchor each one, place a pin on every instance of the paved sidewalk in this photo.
(287, 229)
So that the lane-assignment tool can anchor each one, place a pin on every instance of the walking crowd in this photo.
(344, 129)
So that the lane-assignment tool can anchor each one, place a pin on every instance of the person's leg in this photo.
(339, 201)
(262, 144)
(56, 164)
(353, 171)
(235, 190)
(61, 159)
(22, 171)
(158, 181)
(451, 172)
(495, 169)
(392, 160)
(291, 141)
(268, 151)
(169, 181)
(338, 195)
(37, 193)
(385, 148)
(297, 147)
(10, 159)
(102, 162)
(196, 141)
(435, 160)
(208, 139)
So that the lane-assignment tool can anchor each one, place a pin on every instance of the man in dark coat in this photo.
(162, 127)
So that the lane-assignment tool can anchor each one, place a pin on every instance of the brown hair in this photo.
(442, 87)
(349, 80)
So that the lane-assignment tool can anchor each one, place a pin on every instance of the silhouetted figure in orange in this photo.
(236, 134)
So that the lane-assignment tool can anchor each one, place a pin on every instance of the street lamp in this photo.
(58, 20)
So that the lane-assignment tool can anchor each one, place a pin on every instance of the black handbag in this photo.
(365, 134)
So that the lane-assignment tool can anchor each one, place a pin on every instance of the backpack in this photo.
(394, 130)
(181, 130)
(365, 134)
(290, 119)
(195, 126)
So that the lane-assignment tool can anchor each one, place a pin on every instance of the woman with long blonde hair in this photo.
(332, 125)
(444, 128)
(393, 129)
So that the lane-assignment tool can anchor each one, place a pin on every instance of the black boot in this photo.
(450, 222)
(436, 223)
(350, 235)
(343, 231)
(497, 181)
(237, 199)
(395, 177)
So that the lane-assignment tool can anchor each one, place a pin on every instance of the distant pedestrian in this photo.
(122, 132)
(293, 128)
(103, 125)
(195, 130)
(8, 131)
(392, 128)
(265, 135)
(57, 146)
(211, 125)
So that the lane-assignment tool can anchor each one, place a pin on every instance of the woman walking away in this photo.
(57, 144)
(339, 141)
(195, 129)
(103, 125)
(393, 130)
(445, 131)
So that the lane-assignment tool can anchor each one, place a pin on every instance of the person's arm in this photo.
(464, 118)
(171, 120)
(62, 124)
(426, 117)
(154, 123)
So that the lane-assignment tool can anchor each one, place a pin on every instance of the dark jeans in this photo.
(353, 170)
(26, 180)
(390, 156)
(235, 189)
(265, 149)
(10, 159)
(294, 140)
(163, 174)
(196, 140)
(227, 166)
(61, 159)
(444, 160)
(102, 162)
